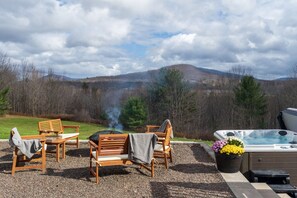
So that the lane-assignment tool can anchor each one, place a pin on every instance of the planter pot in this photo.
(228, 163)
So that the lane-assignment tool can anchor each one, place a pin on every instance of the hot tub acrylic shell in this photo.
(265, 147)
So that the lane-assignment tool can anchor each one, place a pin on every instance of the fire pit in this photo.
(95, 136)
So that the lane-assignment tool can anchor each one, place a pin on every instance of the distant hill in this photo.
(58, 77)
(191, 73)
(197, 74)
(285, 79)
(201, 78)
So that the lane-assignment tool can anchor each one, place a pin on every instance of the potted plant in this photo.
(228, 153)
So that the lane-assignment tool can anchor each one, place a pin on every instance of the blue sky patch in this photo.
(135, 50)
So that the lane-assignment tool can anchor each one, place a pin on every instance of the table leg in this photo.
(58, 152)
(63, 150)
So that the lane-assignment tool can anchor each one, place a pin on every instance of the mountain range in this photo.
(191, 74)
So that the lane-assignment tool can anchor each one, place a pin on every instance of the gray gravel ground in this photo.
(192, 174)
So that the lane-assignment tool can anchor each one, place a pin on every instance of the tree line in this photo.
(241, 102)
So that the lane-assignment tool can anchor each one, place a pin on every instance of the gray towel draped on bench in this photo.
(141, 147)
(27, 147)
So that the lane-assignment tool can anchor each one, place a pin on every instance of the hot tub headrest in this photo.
(230, 134)
(282, 133)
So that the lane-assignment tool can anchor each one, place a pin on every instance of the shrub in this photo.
(133, 113)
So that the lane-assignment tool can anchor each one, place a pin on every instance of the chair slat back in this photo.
(44, 126)
(57, 125)
(113, 144)
(51, 125)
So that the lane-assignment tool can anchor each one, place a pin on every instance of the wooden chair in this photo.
(159, 130)
(163, 148)
(19, 157)
(55, 126)
(112, 150)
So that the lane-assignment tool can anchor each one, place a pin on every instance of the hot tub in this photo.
(269, 148)
(266, 149)
(268, 140)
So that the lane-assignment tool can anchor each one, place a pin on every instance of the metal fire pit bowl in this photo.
(95, 136)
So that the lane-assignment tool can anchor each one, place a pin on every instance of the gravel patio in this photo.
(192, 174)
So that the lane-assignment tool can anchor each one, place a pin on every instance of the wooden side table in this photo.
(57, 141)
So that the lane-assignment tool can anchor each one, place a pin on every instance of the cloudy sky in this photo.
(86, 38)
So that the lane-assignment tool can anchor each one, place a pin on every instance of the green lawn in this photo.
(28, 126)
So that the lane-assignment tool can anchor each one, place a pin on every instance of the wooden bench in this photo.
(112, 150)
(50, 127)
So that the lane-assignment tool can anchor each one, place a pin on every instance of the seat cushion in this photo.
(110, 157)
(159, 147)
(68, 135)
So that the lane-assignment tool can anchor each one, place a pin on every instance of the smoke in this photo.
(113, 114)
(111, 102)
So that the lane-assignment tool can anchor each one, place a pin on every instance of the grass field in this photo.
(28, 126)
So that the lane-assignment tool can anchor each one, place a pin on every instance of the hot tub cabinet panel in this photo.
(286, 161)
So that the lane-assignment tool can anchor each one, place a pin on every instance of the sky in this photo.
(87, 38)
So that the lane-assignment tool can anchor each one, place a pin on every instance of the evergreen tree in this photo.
(251, 102)
(4, 105)
(133, 113)
(170, 97)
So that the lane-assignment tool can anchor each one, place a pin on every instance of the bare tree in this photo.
(240, 71)
(8, 72)
(294, 71)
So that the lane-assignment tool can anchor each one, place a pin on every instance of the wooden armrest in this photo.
(45, 132)
(93, 144)
(28, 137)
(160, 134)
(71, 126)
(150, 127)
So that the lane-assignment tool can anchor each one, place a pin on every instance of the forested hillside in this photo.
(196, 107)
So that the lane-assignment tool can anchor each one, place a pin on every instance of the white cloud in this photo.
(240, 7)
(48, 41)
(96, 37)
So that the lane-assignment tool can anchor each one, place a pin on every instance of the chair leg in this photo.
(153, 168)
(77, 143)
(91, 167)
(97, 173)
(43, 158)
(166, 161)
(14, 162)
(170, 154)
